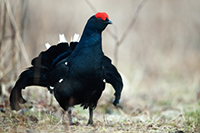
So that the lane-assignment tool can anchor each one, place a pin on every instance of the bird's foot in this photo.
(74, 123)
(90, 122)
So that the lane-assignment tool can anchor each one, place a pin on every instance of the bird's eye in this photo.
(99, 19)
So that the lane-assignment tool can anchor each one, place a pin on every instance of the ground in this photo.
(138, 111)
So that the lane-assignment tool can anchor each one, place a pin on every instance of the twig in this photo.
(51, 101)
(3, 24)
(20, 43)
(24, 14)
(13, 40)
(2, 33)
(135, 16)
(91, 6)
(112, 35)
(61, 121)
(132, 22)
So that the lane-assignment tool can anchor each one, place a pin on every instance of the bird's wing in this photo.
(113, 77)
(46, 58)
(59, 72)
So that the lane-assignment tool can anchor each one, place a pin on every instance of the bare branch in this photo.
(91, 6)
(118, 43)
(132, 22)
(3, 23)
(20, 43)
(112, 35)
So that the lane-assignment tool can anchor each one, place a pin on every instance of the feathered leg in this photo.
(70, 116)
(90, 121)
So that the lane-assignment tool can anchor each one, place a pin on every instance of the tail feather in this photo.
(16, 98)
(40, 72)
(31, 76)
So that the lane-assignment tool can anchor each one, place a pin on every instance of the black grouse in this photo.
(75, 73)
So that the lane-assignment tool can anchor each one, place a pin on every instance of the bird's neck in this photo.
(91, 38)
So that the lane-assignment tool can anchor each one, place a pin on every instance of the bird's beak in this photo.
(109, 22)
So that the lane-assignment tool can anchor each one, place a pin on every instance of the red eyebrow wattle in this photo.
(102, 15)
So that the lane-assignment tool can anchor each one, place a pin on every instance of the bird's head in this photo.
(98, 22)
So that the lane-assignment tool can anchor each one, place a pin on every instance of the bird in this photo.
(75, 73)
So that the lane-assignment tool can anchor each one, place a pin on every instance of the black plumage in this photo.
(76, 74)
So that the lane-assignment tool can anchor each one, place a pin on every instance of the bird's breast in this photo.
(88, 63)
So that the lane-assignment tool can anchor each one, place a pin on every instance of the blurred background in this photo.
(159, 57)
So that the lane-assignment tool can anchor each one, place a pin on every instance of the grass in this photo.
(193, 117)
(163, 117)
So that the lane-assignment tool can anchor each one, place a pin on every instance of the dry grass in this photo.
(141, 112)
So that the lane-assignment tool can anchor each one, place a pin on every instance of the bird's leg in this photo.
(70, 116)
(90, 121)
